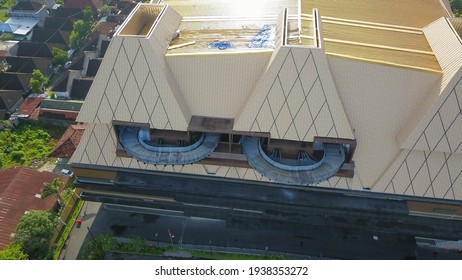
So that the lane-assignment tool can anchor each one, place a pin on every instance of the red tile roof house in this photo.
(69, 141)
(18, 189)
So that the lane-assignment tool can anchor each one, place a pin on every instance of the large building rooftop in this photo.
(364, 94)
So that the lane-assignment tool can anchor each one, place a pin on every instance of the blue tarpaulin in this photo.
(264, 38)
(221, 45)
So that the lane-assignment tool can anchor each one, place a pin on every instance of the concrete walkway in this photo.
(79, 234)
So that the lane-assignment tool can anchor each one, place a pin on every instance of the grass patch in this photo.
(67, 229)
(233, 256)
(28, 145)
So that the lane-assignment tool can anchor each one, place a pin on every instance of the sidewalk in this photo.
(79, 234)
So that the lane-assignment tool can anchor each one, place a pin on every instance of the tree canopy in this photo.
(81, 28)
(52, 188)
(38, 81)
(13, 251)
(59, 56)
(34, 232)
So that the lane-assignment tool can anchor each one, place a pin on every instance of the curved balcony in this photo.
(303, 173)
(136, 142)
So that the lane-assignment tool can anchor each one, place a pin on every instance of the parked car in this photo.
(67, 172)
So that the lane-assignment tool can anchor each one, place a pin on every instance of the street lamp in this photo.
(210, 247)
(157, 241)
(91, 233)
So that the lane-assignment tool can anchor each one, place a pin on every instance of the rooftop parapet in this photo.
(141, 20)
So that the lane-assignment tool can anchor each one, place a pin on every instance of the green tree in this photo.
(13, 251)
(97, 249)
(81, 28)
(52, 188)
(59, 56)
(38, 81)
(105, 10)
(34, 232)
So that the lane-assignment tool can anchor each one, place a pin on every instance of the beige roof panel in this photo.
(388, 32)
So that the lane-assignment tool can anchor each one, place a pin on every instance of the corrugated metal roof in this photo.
(18, 187)
(29, 105)
(386, 32)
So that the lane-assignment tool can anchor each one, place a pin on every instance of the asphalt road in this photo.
(327, 242)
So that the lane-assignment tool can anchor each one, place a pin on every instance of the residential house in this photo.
(68, 142)
(14, 81)
(20, 189)
(58, 23)
(31, 10)
(9, 102)
(21, 64)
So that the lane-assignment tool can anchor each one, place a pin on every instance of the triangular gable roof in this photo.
(50, 36)
(18, 187)
(9, 98)
(27, 64)
(58, 23)
(134, 83)
(296, 108)
(15, 81)
(34, 49)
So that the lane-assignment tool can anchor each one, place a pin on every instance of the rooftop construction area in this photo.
(362, 30)
(241, 23)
